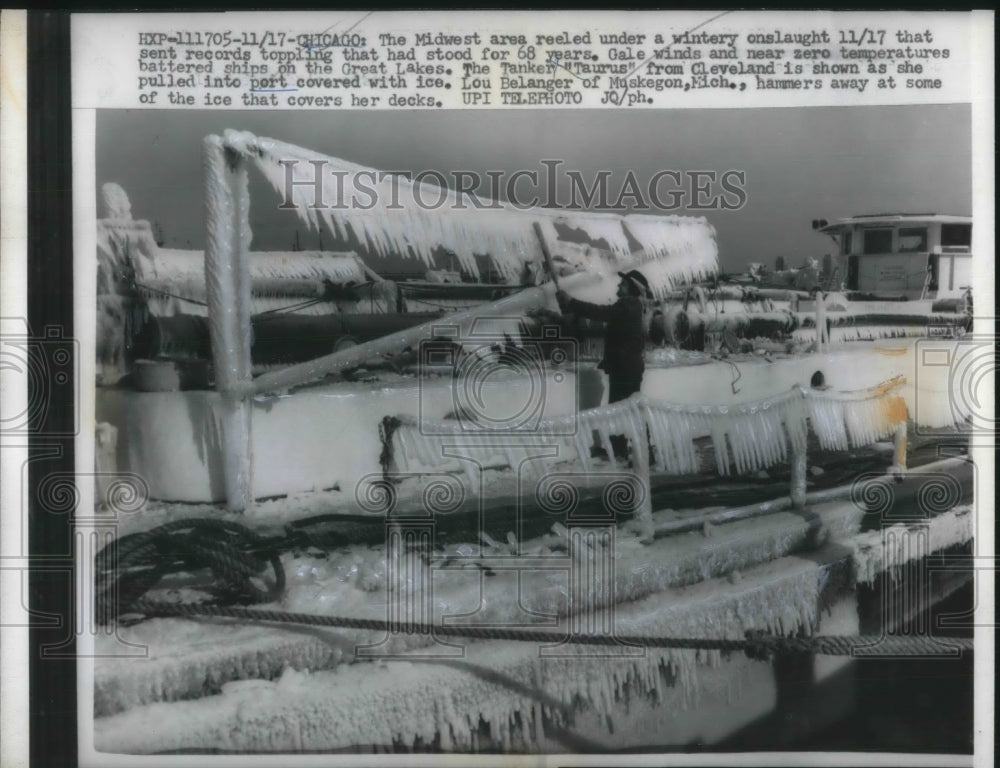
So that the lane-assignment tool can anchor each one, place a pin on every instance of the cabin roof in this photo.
(895, 218)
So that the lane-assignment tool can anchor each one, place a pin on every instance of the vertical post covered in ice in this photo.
(899, 449)
(799, 466)
(105, 463)
(822, 337)
(640, 465)
(227, 284)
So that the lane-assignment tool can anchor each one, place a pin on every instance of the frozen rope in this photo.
(238, 557)
(756, 644)
(129, 567)
(160, 292)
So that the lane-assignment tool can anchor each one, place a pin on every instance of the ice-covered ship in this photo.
(443, 475)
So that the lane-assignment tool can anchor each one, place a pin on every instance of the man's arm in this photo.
(602, 312)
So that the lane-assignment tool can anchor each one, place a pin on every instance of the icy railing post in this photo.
(822, 336)
(899, 450)
(640, 466)
(799, 465)
(105, 459)
(227, 284)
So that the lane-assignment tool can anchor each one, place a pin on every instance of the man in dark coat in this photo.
(624, 339)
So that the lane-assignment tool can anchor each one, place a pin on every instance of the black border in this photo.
(52, 695)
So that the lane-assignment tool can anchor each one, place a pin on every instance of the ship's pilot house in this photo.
(915, 256)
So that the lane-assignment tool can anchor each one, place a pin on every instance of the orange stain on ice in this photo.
(894, 409)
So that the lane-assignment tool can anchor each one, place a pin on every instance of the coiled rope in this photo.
(239, 559)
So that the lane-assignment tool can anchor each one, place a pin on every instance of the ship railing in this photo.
(746, 438)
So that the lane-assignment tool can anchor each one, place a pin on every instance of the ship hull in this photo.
(327, 436)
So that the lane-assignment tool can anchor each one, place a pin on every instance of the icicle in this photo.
(683, 245)
(417, 443)
(767, 445)
(581, 444)
(665, 449)
(605, 434)
(764, 447)
(757, 434)
(675, 248)
(400, 450)
(689, 425)
(677, 432)
(877, 552)
(719, 443)
(732, 425)
(635, 424)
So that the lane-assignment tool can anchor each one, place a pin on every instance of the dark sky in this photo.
(800, 164)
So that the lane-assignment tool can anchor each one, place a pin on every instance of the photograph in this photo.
(521, 388)
(530, 432)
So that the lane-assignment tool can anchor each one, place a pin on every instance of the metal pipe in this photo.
(513, 306)
(722, 516)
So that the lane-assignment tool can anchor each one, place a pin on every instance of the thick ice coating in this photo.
(746, 437)
(673, 249)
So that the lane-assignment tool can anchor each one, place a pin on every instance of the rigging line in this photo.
(161, 292)
(757, 644)
(290, 308)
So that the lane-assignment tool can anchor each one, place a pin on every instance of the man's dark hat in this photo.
(637, 281)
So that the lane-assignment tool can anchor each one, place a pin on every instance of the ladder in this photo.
(927, 282)
(831, 280)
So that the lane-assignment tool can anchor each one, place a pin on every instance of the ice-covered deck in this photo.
(282, 688)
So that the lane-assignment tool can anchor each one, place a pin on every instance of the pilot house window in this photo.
(878, 241)
(956, 235)
(912, 239)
